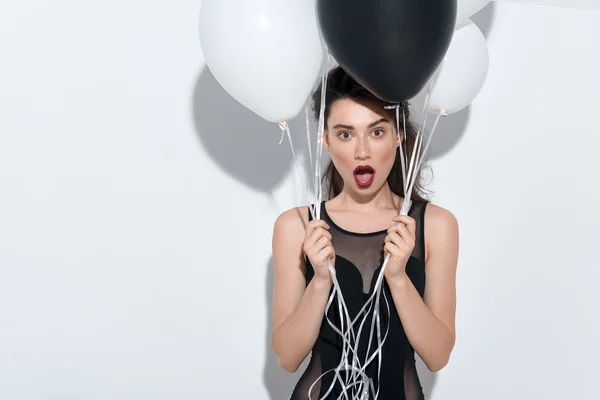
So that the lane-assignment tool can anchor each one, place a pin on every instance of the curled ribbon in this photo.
(350, 372)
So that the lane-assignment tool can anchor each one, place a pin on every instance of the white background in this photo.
(579, 4)
(137, 201)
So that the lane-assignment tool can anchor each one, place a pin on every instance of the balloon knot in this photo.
(395, 105)
(283, 126)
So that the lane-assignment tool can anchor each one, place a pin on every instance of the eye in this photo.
(378, 132)
(344, 135)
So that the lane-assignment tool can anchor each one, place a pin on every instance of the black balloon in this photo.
(392, 47)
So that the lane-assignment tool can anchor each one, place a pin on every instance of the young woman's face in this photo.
(362, 143)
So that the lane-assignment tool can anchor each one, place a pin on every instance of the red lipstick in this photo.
(364, 175)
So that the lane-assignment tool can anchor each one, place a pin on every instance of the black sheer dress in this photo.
(359, 257)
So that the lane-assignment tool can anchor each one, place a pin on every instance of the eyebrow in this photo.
(371, 125)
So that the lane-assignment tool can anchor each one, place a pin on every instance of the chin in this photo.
(373, 188)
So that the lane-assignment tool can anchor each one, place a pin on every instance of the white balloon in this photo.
(266, 53)
(461, 75)
(466, 9)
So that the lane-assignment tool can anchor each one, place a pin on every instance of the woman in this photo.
(361, 222)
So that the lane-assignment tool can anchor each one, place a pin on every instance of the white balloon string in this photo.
(402, 148)
(307, 119)
(376, 325)
(427, 97)
(420, 133)
(286, 130)
(376, 320)
(376, 317)
(404, 141)
(415, 151)
(415, 156)
(402, 162)
(433, 129)
(348, 338)
(380, 341)
(417, 146)
(319, 152)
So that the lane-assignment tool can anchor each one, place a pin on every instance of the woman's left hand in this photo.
(399, 243)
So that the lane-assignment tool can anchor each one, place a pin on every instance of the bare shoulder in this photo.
(441, 228)
(437, 215)
(288, 238)
(291, 222)
(289, 230)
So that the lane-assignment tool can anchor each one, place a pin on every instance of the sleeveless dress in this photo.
(359, 257)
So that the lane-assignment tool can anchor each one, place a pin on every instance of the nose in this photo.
(362, 151)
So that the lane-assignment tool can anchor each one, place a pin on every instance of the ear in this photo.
(399, 138)
(326, 140)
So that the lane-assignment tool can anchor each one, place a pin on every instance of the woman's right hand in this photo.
(318, 248)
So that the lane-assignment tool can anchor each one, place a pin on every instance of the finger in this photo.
(310, 230)
(316, 235)
(392, 249)
(315, 224)
(406, 220)
(393, 233)
(320, 232)
(320, 244)
(310, 241)
(325, 253)
(404, 231)
(400, 243)
(400, 226)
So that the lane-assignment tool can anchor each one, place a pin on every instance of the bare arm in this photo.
(429, 323)
(298, 309)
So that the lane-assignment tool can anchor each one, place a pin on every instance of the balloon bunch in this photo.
(268, 54)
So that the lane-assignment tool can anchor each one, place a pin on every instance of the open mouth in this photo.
(364, 175)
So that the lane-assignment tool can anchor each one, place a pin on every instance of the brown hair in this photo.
(340, 86)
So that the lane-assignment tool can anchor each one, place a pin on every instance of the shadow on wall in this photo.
(279, 382)
(451, 128)
(484, 19)
(240, 142)
(426, 377)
